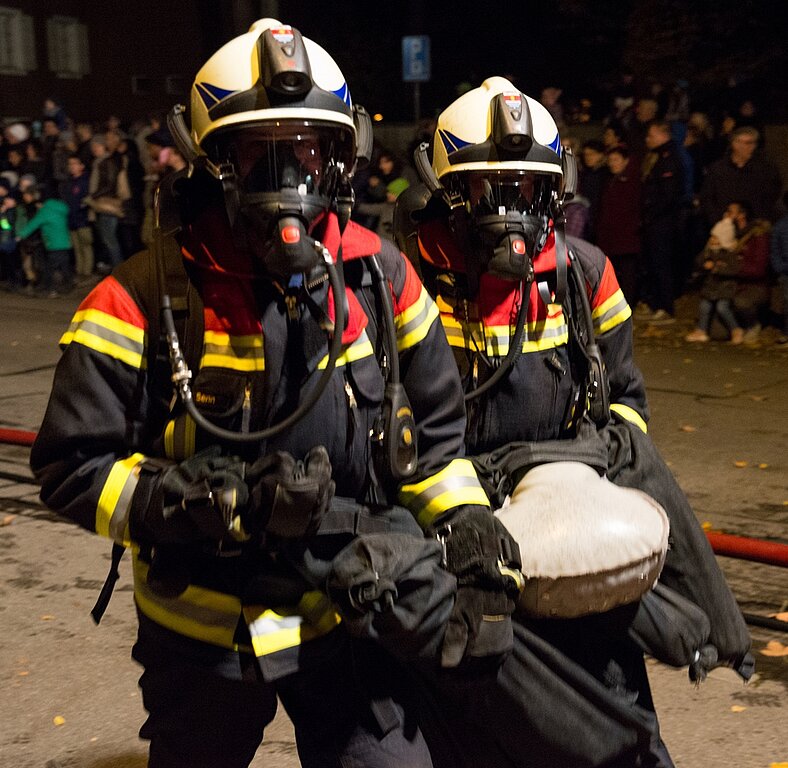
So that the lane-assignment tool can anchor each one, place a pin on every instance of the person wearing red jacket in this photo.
(618, 226)
(753, 288)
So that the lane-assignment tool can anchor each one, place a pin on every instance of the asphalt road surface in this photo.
(68, 689)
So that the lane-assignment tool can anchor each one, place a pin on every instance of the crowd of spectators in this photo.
(76, 197)
(656, 183)
(655, 180)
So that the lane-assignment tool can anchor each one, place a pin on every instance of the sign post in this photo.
(416, 66)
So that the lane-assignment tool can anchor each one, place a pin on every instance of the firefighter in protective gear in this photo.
(542, 337)
(211, 493)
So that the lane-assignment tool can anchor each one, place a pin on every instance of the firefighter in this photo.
(542, 337)
(315, 390)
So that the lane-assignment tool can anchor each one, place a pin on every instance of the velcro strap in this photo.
(467, 548)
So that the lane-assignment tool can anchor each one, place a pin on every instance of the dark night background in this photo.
(580, 46)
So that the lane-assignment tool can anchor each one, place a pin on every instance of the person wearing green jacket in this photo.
(52, 220)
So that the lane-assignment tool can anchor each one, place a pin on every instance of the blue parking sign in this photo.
(416, 59)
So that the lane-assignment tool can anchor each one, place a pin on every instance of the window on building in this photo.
(17, 42)
(67, 41)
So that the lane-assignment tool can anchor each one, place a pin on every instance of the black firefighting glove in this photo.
(484, 557)
(288, 497)
(195, 502)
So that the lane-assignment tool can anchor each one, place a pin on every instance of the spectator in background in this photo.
(622, 102)
(31, 249)
(130, 224)
(663, 190)
(645, 113)
(8, 249)
(614, 135)
(592, 178)
(52, 110)
(747, 115)
(52, 220)
(73, 192)
(742, 174)
(15, 159)
(753, 289)
(779, 260)
(34, 163)
(108, 189)
(698, 143)
(722, 141)
(83, 133)
(684, 255)
(384, 185)
(50, 137)
(16, 133)
(678, 106)
(618, 224)
(719, 261)
(578, 216)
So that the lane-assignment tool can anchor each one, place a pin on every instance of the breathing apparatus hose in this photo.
(181, 375)
(515, 346)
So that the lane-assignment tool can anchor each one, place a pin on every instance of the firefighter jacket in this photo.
(110, 412)
(542, 396)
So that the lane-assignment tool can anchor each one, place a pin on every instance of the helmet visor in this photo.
(490, 192)
(308, 157)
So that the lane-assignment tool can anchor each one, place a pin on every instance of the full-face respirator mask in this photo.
(505, 217)
(287, 176)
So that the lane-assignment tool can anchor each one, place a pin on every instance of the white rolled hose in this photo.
(587, 545)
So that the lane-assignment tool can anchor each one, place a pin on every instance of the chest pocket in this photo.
(223, 397)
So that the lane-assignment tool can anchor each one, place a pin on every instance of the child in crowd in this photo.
(720, 260)
(52, 219)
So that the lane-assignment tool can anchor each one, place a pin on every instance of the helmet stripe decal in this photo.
(212, 94)
(555, 145)
(344, 93)
(451, 142)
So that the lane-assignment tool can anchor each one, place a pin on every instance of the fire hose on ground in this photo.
(723, 544)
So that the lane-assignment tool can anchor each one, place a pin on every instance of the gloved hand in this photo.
(288, 498)
(484, 557)
(196, 501)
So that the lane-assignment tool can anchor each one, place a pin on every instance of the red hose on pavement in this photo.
(757, 550)
(16, 436)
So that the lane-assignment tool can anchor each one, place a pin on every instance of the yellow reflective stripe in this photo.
(630, 414)
(454, 485)
(108, 335)
(273, 631)
(611, 313)
(169, 439)
(361, 347)
(414, 323)
(179, 437)
(112, 510)
(200, 613)
(238, 353)
(542, 334)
